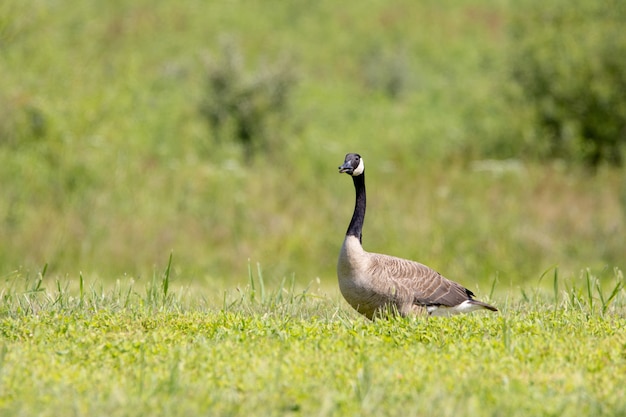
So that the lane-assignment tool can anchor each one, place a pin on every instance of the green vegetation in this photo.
(108, 164)
(261, 351)
(115, 155)
(249, 108)
(569, 59)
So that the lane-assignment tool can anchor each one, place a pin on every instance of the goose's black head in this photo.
(353, 165)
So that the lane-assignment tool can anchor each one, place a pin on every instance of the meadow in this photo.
(154, 351)
(148, 266)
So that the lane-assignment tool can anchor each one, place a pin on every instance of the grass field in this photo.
(274, 351)
(108, 169)
(107, 164)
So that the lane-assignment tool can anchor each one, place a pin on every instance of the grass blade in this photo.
(251, 280)
(166, 277)
(599, 291)
(81, 289)
(556, 288)
(493, 286)
(589, 288)
(42, 274)
(261, 283)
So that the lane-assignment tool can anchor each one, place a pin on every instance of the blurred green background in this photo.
(493, 134)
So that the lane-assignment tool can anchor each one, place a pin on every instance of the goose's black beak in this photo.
(347, 168)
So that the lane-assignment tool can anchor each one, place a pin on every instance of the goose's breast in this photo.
(355, 284)
(365, 291)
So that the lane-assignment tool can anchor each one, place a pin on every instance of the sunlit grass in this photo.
(160, 350)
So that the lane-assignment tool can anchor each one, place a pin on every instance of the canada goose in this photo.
(373, 283)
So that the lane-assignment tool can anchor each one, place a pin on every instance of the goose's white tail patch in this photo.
(465, 307)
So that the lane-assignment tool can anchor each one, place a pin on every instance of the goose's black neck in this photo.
(356, 224)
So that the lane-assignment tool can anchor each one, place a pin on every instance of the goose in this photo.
(373, 283)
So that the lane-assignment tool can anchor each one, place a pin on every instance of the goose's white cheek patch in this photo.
(359, 170)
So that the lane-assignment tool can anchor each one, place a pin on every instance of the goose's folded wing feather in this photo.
(424, 284)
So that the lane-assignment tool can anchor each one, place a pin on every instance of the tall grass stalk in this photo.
(166, 276)
(619, 285)
(555, 286)
(81, 289)
(588, 281)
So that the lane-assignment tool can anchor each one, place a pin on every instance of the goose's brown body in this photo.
(373, 283)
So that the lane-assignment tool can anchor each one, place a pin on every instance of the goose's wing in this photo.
(427, 286)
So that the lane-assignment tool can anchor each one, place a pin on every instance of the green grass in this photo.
(107, 169)
(278, 351)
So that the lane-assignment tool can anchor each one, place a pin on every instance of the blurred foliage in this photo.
(251, 108)
(105, 165)
(569, 58)
(21, 121)
(387, 70)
